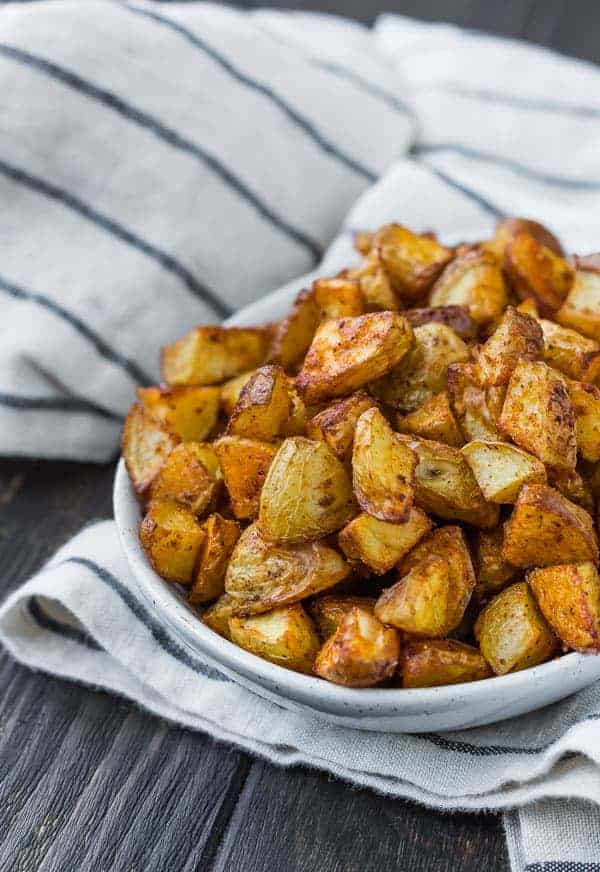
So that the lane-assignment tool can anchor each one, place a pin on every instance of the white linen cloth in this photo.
(162, 165)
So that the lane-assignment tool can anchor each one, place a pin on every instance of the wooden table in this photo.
(90, 784)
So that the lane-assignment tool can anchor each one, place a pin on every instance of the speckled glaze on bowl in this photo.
(394, 710)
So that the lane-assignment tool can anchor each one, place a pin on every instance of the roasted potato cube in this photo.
(299, 415)
(307, 493)
(535, 271)
(244, 466)
(329, 610)
(380, 545)
(413, 262)
(209, 576)
(512, 632)
(585, 400)
(264, 406)
(501, 469)
(518, 337)
(338, 298)
(209, 355)
(146, 444)
(568, 351)
(572, 486)
(435, 662)
(363, 242)
(336, 424)
(569, 598)
(424, 371)
(285, 636)
(383, 469)
(360, 653)
(473, 280)
(171, 537)
(218, 614)
(508, 228)
(190, 412)
(433, 420)
(492, 571)
(374, 284)
(445, 485)
(348, 353)
(538, 415)
(231, 390)
(420, 603)
(546, 528)
(190, 476)
(262, 575)
(449, 544)
(456, 317)
(294, 334)
(581, 309)
(477, 408)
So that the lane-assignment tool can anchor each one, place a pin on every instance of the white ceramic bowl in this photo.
(394, 710)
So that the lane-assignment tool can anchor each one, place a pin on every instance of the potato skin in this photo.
(329, 610)
(456, 317)
(220, 536)
(545, 528)
(335, 425)
(512, 632)
(262, 575)
(581, 310)
(285, 636)
(585, 399)
(360, 653)
(517, 337)
(493, 573)
(383, 469)
(146, 443)
(433, 420)
(231, 390)
(576, 356)
(437, 662)
(307, 493)
(350, 352)
(374, 284)
(293, 335)
(473, 280)
(264, 406)
(191, 412)
(190, 475)
(338, 297)
(244, 465)
(209, 355)
(217, 615)
(502, 469)
(171, 537)
(380, 545)
(508, 228)
(569, 598)
(412, 261)
(534, 270)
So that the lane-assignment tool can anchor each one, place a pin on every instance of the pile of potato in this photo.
(398, 482)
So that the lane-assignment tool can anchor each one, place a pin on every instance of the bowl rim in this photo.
(204, 641)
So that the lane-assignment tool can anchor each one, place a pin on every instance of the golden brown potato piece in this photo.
(307, 493)
(263, 575)
(535, 271)
(433, 420)
(329, 610)
(363, 242)
(585, 400)
(569, 598)
(538, 414)
(209, 355)
(449, 544)
(546, 528)
(512, 632)
(360, 653)
(445, 485)
(456, 317)
(424, 371)
(299, 415)
(218, 614)
(572, 486)
(413, 262)
(171, 537)
(264, 406)
(209, 575)
(244, 466)
(338, 298)
(508, 228)
(435, 662)
(190, 412)
(518, 337)
(294, 334)
(501, 469)
(285, 636)
(493, 573)
(231, 390)
(571, 353)
(380, 545)
(146, 443)
(477, 408)
(420, 603)
(190, 476)
(348, 353)
(581, 309)
(383, 469)
(473, 280)
(374, 284)
(336, 424)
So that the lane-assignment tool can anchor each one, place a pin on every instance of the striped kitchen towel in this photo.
(162, 165)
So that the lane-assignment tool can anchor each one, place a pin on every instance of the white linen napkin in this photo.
(163, 165)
